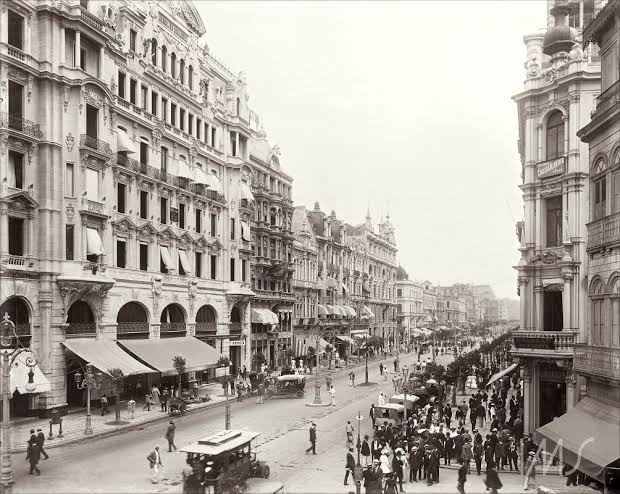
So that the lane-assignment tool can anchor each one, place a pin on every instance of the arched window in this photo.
(599, 195)
(190, 77)
(614, 290)
(154, 51)
(555, 135)
(597, 333)
(182, 71)
(173, 64)
(164, 58)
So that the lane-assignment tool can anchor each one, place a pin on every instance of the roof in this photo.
(220, 442)
(291, 377)
(393, 406)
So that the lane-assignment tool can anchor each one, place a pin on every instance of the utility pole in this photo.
(227, 412)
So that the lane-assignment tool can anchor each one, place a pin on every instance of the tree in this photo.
(311, 354)
(329, 349)
(258, 359)
(178, 363)
(117, 376)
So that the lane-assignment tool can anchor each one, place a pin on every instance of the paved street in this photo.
(119, 463)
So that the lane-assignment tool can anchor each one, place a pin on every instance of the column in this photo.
(78, 48)
(63, 55)
(138, 94)
(27, 43)
(570, 387)
(158, 56)
(566, 302)
(538, 218)
(4, 24)
(4, 229)
(127, 79)
(30, 245)
(237, 149)
(81, 254)
(147, 106)
(538, 309)
(101, 71)
(169, 110)
(132, 251)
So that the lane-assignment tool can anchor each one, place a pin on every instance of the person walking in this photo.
(261, 394)
(372, 414)
(332, 395)
(397, 468)
(147, 402)
(352, 377)
(467, 454)
(365, 451)
(41, 442)
(478, 453)
(104, 405)
(530, 471)
(328, 382)
(312, 439)
(462, 478)
(349, 466)
(492, 481)
(381, 399)
(381, 368)
(154, 459)
(170, 436)
(165, 396)
(33, 456)
(414, 464)
(349, 429)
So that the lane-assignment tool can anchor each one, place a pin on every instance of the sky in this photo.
(401, 108)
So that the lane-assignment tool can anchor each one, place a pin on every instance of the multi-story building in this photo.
(452, 309)
(410, 300)
(125, 189)
(430, 304)
(272, 267)
(562, 81)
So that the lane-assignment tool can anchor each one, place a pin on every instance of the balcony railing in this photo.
(91, 19)
(597, 361)
(95, 144)
(132, 327)
(608, 98)
(172, 327)
(206, 327)
(20, 124)
(561, 341)
(81, 328)
(16, 53)
(235, 328)
(603, 232)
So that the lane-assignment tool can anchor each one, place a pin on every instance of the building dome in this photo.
(401, 274)
(561, 36)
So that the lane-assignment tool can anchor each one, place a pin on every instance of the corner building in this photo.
(126, 206)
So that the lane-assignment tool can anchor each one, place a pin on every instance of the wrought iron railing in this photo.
(608, 98)
(81, 328)
(95, 144)
(206, 327)
(20, 124)
(544, 340)
(603, 232)
(172, 327)
(597, 360)
(132, 327)
(235, 327)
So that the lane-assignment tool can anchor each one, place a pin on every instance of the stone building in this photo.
(410, 300)
(562, 81)
(125, 189)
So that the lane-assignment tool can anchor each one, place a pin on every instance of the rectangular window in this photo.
(182, 215)
(173, 114)
(190, 124)
(232, 269)
(164, 159)
(16, 170)
(232, 228)
(554, 221)
(154, 101)
(144, 204)
(121, 196)
(182, 119)
(83, 59)
(15, 28)
(133, 87)
(213, 267)
(198, 225)
(198, 128)
(132, 40)
(163, 212)
(144, 257)
(213, 230)
(16, 236)
(164, 109)
(121, 254)
(214, 136)
(144, 152)
(600, 198)
(121, 84)
(244, 269)
(143, 94)
(198, 264)
(69, 236)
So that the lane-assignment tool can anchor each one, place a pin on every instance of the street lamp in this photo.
(90, 381)
(358, 474)
(10, 347)
(316, 333)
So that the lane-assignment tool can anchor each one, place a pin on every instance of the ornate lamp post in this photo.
(90, 381)
(316, 333)
(10, 348)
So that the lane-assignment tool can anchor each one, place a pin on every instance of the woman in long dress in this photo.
(155, 394)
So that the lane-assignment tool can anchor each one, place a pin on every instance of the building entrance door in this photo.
(552, 311)
(552, 401)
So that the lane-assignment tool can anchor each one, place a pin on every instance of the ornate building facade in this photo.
(125, 171)
(410, 300)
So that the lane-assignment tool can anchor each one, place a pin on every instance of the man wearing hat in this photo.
(170, 436)
(373, 478)
(349, 466)
(40, 442)
(154, 459)
(312, 439)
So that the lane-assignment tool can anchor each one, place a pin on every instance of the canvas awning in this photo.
(499, 375)
(165, 257)
(184, 261)
(245, 231)
(345, 339)
(322, 310)
(264, 316)
(200, 177)
(587, 436)
(245, 192)
(160, 353)
(184, 170)
(214, 182)
(123, 143)
(94, 245)
(368, 312)
(345, 288)
(105, 355)
(350, 311)
(19, 376)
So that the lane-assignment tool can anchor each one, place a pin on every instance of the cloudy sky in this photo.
(398, 107)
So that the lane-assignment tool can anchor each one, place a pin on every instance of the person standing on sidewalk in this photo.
(349, 466)
(381, 367)
(261, 393)
(170, 436)
(154, 459)
(352, 377)
(33, 457)
(365, 451)
(104, 405)
(372, 414)
(41, 442)
(312, 439)
(460, 484)
(332, 396)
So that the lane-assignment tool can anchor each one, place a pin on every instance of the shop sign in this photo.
(236, 343)
(221, 371)
(552, 167)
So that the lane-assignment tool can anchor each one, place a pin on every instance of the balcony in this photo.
(18, 263)
(172, 329)
(21, 125)
(94, 144)
(607, 99)
(206, 328)
(132, 329)
(235, 328)
(81, 328)
(543, 343)
(604, 232)
(597, 361)
(93, 208)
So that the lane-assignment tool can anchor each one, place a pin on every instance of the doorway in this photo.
(552, 401)
(552, 311)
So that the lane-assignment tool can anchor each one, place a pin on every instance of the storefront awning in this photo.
(20, 378)
(105, 355)
(368, 312)
(94, 246)
(345, 339)
(264, 316)
(322, 310)
(501, 374)
(160, 353)
(245, 192)
(332, 310)
(165, 257)
(350, 311)
(587, 434)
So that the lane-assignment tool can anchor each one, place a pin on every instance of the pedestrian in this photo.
(170, 436)
(239, 388)
(332, 396)
(261, 393)
(492, 481)
(467, 454)
(478, 453)
(195, 388)
(104, 405)
(349, 429)
(381, 368)
(349, 466)
(41, 442)
(165, 396)
(131, 408)
(397, 468)
(513, 455)
(244, 373)
(33, 456)
(372, 414)
(571, 474)
(154, 459)
(381, 399)
(530, 471)
(373, 478)
(147, 402)
(155, 394)
(312, 439)
(462, 478)
(328, 382)
(352, 377)
(365, 451)
(414, 464)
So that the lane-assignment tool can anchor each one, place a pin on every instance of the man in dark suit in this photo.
(312, 439)
(375, 448)
(40, 442)
(350, 465)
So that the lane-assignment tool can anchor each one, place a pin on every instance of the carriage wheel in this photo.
(268, 394)
(299, 393)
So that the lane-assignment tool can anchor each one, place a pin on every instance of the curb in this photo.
(107, 433)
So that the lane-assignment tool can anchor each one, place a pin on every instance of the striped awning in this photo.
(264, 316)
(350, 311)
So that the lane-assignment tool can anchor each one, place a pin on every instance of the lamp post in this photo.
(10, 347)
(434, 339)
(90, 381)
(358, 474)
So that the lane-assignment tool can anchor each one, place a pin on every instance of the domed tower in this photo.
(560, 37)
(401, 274)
